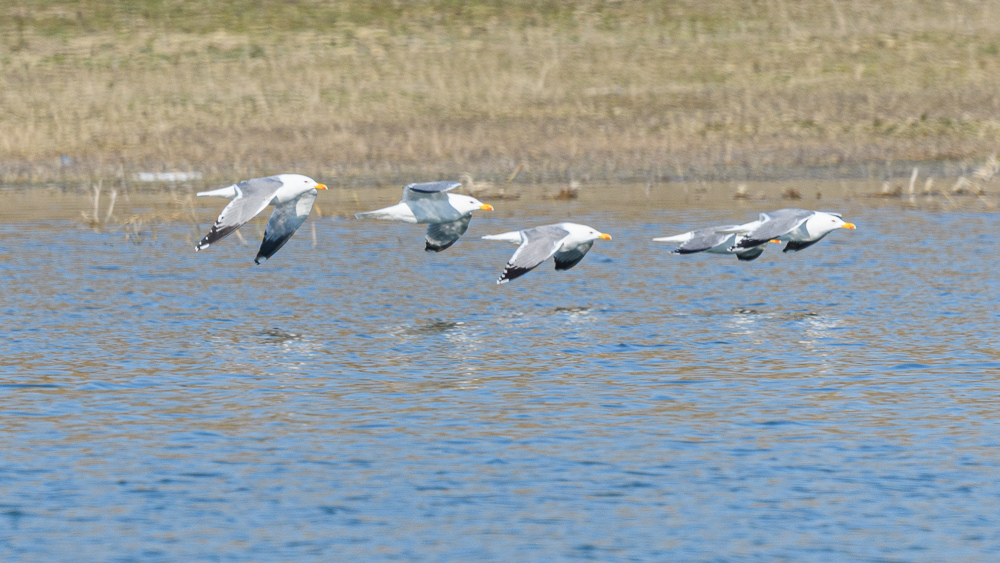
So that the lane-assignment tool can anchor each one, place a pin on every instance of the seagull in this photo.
(716, 240)
(568, 243)
(448, 215)
(292, 196)
(800, 228)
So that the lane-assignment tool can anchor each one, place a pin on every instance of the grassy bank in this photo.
(592, 90)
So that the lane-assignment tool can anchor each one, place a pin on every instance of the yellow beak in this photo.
(486, 207)
(775, 241)
(320, 186)
(851, 226)
(605, 236)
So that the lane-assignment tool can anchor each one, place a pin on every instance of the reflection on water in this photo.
(431, 328)
(280, 336)
(365, 399)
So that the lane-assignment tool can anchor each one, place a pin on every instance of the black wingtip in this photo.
(567, 264)
(510, 273)
(746, 244)
(795, 246)
(270, 246)
(748, 257)
(215, 234)
(436, 247)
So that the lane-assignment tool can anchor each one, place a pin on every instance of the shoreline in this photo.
(131, 210)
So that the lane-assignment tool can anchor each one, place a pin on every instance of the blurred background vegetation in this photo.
(387, 92)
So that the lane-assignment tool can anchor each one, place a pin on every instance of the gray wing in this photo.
(537, 245)
(442, 235)
(252, 196)
(435, 190)
(433, 208)
(704, 239)
(285, 220)
(773, 225)
(570, 258)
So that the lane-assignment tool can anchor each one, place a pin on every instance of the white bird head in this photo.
(300, 184)
(822, 223)
(580, 234)
(467, 204)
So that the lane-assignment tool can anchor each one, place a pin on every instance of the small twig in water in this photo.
(97, 202)
(111, 206)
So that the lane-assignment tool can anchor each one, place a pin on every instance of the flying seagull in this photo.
(447, 215)
(568, 243)
(716, 240)
(800, 228)
(292, 196)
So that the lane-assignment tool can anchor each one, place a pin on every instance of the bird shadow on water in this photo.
(430, 327)
(438, 338)
(279, 336)
(573, 310)
(778, 316)
(271, 348)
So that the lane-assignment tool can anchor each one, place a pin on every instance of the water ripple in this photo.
(364, 399)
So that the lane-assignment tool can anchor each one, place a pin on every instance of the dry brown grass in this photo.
(591, 91)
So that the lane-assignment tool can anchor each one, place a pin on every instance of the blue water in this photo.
(366, 400)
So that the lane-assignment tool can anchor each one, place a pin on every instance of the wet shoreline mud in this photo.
(124, 205)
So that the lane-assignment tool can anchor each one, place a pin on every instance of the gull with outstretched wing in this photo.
(447, 215)
(800, 228)
(566, 243)
(292, 196)
(716, 240)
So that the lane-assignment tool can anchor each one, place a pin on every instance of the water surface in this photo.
(366, 400)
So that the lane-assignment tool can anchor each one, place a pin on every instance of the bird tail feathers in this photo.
(228, 191)
(398, 212)
(512, 236)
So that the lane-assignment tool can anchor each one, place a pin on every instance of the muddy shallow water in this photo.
(358, 398)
